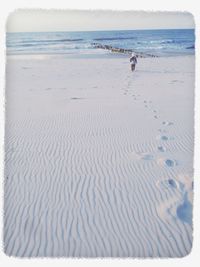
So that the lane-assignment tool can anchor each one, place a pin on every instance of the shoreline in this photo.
(108, 55)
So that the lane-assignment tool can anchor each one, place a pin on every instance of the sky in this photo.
(73, 20)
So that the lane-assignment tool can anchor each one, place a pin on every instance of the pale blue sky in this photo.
(65, 20)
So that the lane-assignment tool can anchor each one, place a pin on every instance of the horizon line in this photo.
(147, 29)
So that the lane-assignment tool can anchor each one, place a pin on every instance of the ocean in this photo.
(157, 42)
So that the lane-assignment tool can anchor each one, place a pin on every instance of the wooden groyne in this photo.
(122, 50)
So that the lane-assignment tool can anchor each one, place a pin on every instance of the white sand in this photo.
(99, 160)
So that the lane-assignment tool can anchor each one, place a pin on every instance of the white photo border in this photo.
(191, 6)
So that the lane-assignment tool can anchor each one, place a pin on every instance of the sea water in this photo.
(157, 42)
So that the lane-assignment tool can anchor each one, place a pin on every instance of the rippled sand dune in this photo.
(99, 160)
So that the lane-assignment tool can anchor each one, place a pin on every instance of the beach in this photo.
(98, 159)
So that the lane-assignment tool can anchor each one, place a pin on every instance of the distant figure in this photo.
(133, 60)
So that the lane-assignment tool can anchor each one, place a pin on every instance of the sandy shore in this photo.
(99, 160)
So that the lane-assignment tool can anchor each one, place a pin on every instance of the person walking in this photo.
(133, 61)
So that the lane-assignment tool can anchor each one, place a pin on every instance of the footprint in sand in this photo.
(146, 156)
(162, 148)
(184, 210)
(176, 81)
(142, 156)
(172, 183)
(167, 162)
(76, 98)
(170, 163)
(180, 205)
(162, 137)
(167, 123)
(169, 183)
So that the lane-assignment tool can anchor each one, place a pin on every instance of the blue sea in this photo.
(157, 42)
